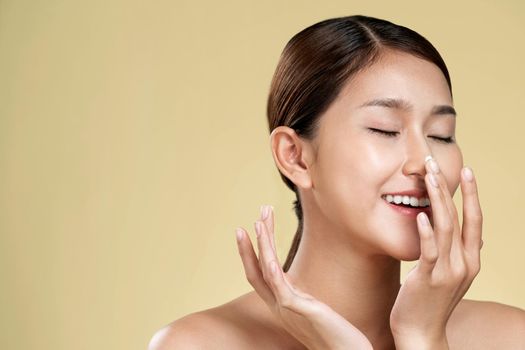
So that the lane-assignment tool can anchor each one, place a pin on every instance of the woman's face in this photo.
(354, 167)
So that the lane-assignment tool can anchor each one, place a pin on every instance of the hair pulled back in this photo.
(317, 62)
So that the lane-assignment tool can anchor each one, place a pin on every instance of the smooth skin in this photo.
(448, 264)
(343, 288)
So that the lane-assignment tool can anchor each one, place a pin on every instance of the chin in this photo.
(410, 257)
(404, 255)
(405, 247)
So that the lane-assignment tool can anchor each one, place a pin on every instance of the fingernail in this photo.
(467, 174)
(258, 228)
(423, 219)
(433, 180)
(264, 212)
(434, 166)
(238, 233)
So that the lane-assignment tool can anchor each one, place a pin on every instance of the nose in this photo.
(416, 151)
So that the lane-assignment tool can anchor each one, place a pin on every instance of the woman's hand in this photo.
(312, 322)
(449, 262)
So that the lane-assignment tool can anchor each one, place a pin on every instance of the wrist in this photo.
(421, 342)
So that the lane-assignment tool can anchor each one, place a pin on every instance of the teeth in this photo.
(408, 200)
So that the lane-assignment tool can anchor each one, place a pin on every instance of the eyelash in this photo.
(393, 134)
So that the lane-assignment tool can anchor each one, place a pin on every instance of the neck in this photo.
(360, 287)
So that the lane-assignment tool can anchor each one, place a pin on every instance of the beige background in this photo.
(133, 140)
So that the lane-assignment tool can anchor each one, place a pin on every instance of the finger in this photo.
(456, 246)
(266, 252)
(285, 295)
(472, 215)
(443, 186)
(251, 267)
(268, 257)
(440, 215)
(429, 249)
(451, 230)
(457, 255)
(268, 217)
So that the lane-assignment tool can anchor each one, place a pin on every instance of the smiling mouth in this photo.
(408, 210)
(425, 200)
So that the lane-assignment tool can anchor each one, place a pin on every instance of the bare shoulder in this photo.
(238, 324)
(199, 330)
(477, 324)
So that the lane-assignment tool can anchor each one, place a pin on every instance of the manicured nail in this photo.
(433, 180)
(423, 219)
(467, 174)
(239, 234)
(433, 164)
(265, 211)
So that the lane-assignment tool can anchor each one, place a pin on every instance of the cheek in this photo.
(356, 165)
(379, 160)
(452, 171)
(349, 177)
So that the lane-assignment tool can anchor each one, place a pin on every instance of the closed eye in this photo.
(387, 133)
(394, 133)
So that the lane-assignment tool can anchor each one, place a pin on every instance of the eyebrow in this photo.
(398, 103)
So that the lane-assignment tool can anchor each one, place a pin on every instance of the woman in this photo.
(363, 131)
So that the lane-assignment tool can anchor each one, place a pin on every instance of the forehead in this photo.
(398, 75)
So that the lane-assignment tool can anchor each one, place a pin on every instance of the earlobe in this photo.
(289, 154)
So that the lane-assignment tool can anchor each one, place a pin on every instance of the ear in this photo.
(292, 156)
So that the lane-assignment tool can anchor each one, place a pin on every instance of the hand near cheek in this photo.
(449, 262)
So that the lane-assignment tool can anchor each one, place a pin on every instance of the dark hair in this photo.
(318, 61)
